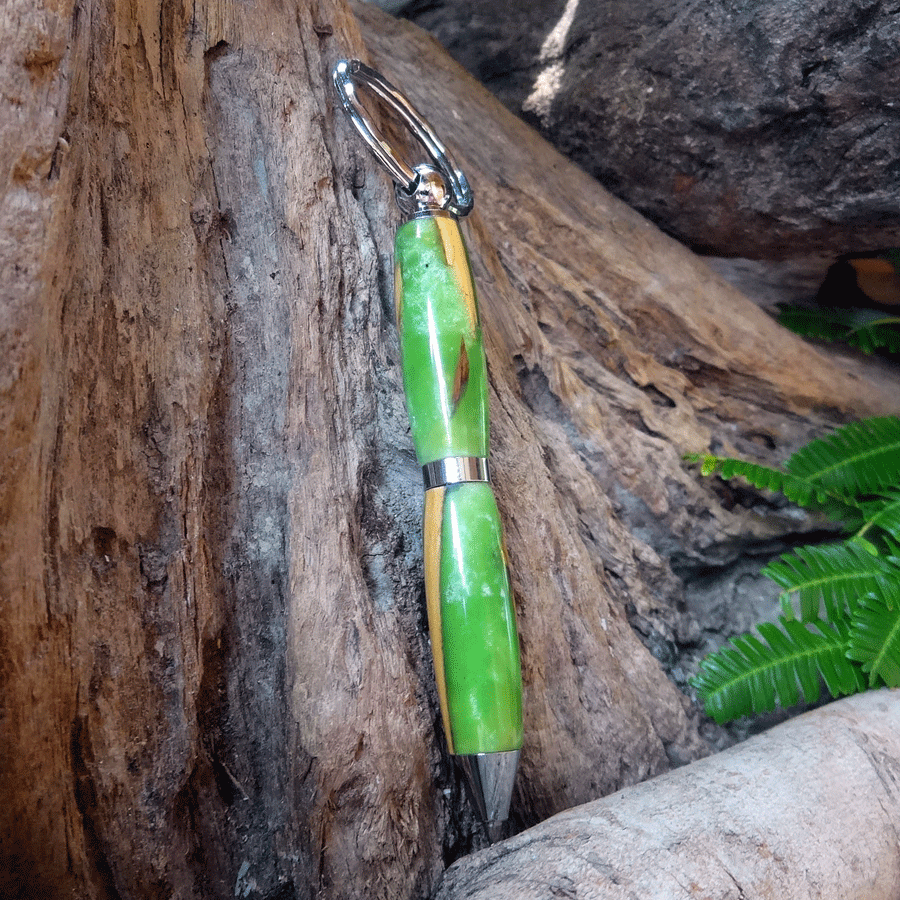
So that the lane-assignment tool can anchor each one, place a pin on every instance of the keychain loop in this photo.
(350, 72)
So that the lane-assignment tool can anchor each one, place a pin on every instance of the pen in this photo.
(471, 618)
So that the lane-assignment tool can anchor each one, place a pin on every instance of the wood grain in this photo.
(215, 669)
(807, 810)
(612, 351)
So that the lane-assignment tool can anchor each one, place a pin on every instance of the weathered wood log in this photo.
(764, 130)
(808, 810)
(215, 675)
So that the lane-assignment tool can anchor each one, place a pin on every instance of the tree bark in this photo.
(216, 678)
(807, 810)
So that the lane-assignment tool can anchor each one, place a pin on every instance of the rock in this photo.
(770, 283)
(765, 130)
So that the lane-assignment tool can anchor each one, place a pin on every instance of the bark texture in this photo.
(763, 130)
(215, 672)
(808, 810)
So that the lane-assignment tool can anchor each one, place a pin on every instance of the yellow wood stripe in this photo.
(398, 295)
(458, 261)
(434, 516)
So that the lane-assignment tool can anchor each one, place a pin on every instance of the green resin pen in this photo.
(471, 618)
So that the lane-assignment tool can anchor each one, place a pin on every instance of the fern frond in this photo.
(812, 322)
(859, 459)
(867, 329)
(801, 491)
(875, 637)
(853, 475)
(798, 490)
(749, 676)
(835, 575)
(892, 553)
(882, 514)
(883, 334)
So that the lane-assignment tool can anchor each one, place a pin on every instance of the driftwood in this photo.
(808, 810)
(215, 675)
(763, 130)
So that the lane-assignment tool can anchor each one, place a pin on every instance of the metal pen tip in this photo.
(490, 778)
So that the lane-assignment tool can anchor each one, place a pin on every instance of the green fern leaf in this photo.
(811, 322)
(853, 475)
(867, 329)
(847, 512)
(875, 637)
(800, 491)
(882, 514)
(835, 575)
(749, 676)
(892, 554)
(797, 490)
(883, 334)
(859, 459)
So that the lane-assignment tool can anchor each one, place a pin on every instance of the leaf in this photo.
(812, 322)
(800, 491)
(893, 551)
(852, 475)
(875, 637)
(749, 676)
(883, 514)
(883, 334)
(866, 545)
(867, 329)
(797, 490)
(835, 575)
(859, 459)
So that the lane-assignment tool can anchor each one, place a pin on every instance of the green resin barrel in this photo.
(444, 371)
(470, 611)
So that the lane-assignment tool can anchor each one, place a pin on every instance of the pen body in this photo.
(444, 370)
(470, 611)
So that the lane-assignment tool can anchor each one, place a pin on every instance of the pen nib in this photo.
(490, 778)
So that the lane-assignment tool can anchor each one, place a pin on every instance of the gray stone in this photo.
(766, 129)
(773, 282)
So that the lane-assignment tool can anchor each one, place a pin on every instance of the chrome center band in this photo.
(455, 470)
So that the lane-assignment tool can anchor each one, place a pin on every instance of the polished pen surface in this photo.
(470, 610)
(471, 617)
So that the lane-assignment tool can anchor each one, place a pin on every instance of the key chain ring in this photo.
(349, 73)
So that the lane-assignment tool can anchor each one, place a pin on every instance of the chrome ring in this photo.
(455, 470)
(346, 74)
